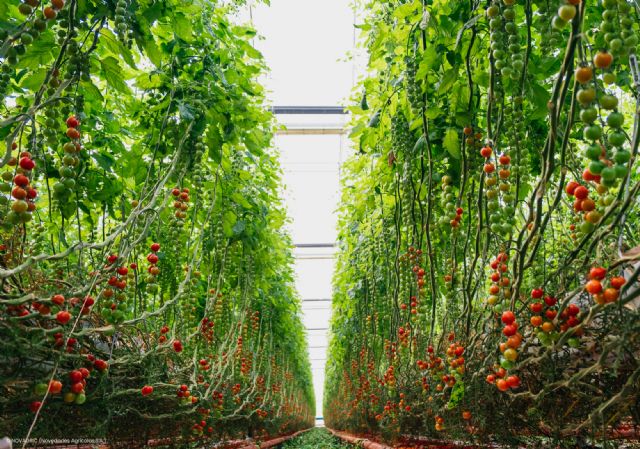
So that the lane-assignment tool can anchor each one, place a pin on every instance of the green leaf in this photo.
(457, 394)
(430, 60)
(375, 120)
(421, 145)
(451, 143)
(116, 47)
(182, 26)
(91, 92)
(40, 52)
(447, 80)
(186, 111)
(112, 73)
(433, 112)
(239, 228)
(152, 51)
(228, 223)
(34, 80)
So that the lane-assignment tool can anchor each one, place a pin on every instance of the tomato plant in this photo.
(523, 115)
(142, 241)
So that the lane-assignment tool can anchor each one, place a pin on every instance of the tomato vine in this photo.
(487, 286)
(147, 289)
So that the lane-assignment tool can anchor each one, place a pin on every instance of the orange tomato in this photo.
(514, 341)
(584, 74)
(55, 387)
(594, 286)
(602, 60)
(610, 295)
(617, 282)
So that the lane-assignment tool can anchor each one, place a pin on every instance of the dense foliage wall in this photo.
(146, 280)
(487, 284)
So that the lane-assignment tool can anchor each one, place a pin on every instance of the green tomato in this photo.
(573, 342)
(13, 217)
(495, 23)
(631, 41)
(41, 389)
(66, 172)
(615, 44)
(593, 152)
(517, 66)
(621, 170)
(506, 72)
(26, 38)
(25, 217)
(609, 78)
(608, 173)
(596, 167)
(567, 12)
(589, 115)
(593, 132)
(586, 96)
(607, 27)
(587, 227)
(80, 399)
(608, 200)
(509, 14)
(616, 139)
(622, 156)
(615, 120)
(506, 364)
(544, 338)
(608, 102)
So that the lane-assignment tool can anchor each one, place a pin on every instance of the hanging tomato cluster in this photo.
(601, 293)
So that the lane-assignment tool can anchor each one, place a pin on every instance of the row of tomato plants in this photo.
(146, 281)
(487, 285)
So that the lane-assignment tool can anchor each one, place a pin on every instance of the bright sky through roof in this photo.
(306, 44)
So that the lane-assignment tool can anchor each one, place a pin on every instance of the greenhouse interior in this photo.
(305, 224)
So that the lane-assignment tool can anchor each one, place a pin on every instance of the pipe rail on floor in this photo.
(359, 442)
